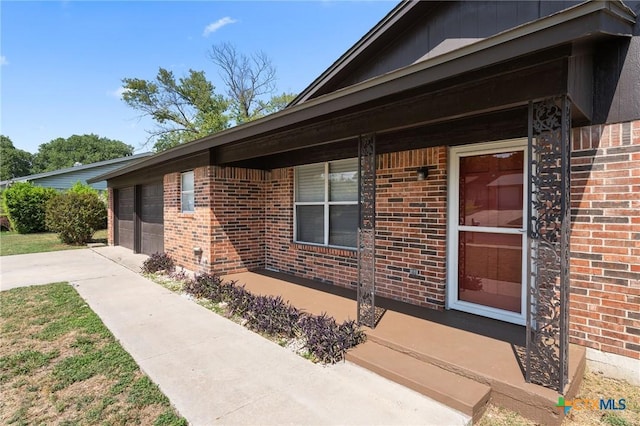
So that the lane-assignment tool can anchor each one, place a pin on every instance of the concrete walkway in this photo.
(213, 370)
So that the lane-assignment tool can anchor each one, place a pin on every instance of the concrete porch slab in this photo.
(465, 346)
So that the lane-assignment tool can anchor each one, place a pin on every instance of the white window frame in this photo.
(188, 192)
(326, 203)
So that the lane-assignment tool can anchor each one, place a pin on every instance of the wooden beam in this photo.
(498, 125)
(494, 126)
(156, 172)
(479, 97)
(314, 154)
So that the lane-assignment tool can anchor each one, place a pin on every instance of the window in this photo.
(326, 203)
(187, 197)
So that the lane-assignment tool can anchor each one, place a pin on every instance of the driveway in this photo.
(213, 370)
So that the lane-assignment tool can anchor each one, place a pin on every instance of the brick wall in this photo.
(185, 231)
(605, 239)
(110, 216)
(250, 225)
(238, 219)
(329, 265)
(227, 223)
(411, 224)
(410, 231)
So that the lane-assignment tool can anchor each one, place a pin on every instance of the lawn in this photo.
(60, 364)
(14, 243)
(594, 386)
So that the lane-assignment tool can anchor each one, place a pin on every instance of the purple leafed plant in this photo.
(158, 262)
(325, 339)
(273, 316)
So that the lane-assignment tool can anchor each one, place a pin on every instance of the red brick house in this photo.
(474, 156)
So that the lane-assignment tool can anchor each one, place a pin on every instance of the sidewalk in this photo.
(213, 370)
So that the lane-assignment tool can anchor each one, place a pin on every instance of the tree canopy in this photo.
(14, 162)
(276, 103)
(188, 108)
(248, 80)
(183, 110)
(60, 153)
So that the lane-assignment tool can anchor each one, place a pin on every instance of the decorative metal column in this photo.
(548, 241)
(367, 230)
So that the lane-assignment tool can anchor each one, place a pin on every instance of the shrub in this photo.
(82, 188)
(274, 316)
(326, 340)
(25, 204)
(181, 276)
(75, 217)
(205, 286)
(158, 262)
(4, 218)
(238, 299)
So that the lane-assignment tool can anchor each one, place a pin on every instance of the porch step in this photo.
(455, 391)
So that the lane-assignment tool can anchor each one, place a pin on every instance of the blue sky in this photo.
(61, 63)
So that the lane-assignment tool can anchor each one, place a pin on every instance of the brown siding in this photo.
(449, 26)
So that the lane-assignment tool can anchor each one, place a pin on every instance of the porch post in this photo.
(548, 242)
(366, 229)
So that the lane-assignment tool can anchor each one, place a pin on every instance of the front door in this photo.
(487, 230)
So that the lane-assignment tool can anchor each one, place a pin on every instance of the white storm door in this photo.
(487, 230)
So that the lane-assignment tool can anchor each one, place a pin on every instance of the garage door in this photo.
(124, 212)
(151, 219)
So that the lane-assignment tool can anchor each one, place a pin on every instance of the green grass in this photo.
(14, 243)
(60, 364)
(594, 386)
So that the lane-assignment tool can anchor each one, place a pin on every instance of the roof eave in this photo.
(83, 167)
(400, 10)
(417, 74)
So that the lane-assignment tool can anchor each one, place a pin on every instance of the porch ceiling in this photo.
(459, 109)
(477, 79)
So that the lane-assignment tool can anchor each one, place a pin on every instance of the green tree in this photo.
(277, 103)
(13, 162)
(189, 108)
(60, 153)
(251, 82)
(25, 205)
(184, 110)
(83, 188)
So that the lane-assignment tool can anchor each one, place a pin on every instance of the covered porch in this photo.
(461, 360)
(534, 81)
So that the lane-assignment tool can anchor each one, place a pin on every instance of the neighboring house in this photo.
(65, 178)
(473, 156)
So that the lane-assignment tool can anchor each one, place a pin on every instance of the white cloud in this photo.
(215, 26)
(117, 93)
(3, 60)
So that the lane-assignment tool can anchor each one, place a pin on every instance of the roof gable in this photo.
(388, 102)
(417, 30)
